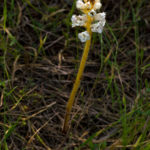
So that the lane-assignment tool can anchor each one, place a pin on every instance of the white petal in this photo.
(100, 16)
(97, 5)
(84, 36)
(78, 20)
(97, 27)
(81, 5)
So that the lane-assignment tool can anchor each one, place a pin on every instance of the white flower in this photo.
(97, 5)
(84, 36)
(78, 20)
(96, 20)
(83, 5)
(98, 26)
(100, 17)
(79, 4)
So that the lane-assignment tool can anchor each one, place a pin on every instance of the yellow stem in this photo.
(78, 78)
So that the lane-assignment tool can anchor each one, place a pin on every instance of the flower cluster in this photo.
(90, 17)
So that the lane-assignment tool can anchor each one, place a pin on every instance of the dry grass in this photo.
(39, 58)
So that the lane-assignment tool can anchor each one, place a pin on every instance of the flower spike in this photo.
(93, 22)
(89, 7)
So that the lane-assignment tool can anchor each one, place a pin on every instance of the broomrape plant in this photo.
(93, 22)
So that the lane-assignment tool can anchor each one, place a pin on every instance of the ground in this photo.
(39, 59)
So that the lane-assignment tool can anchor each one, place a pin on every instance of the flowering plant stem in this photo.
(78, 77)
